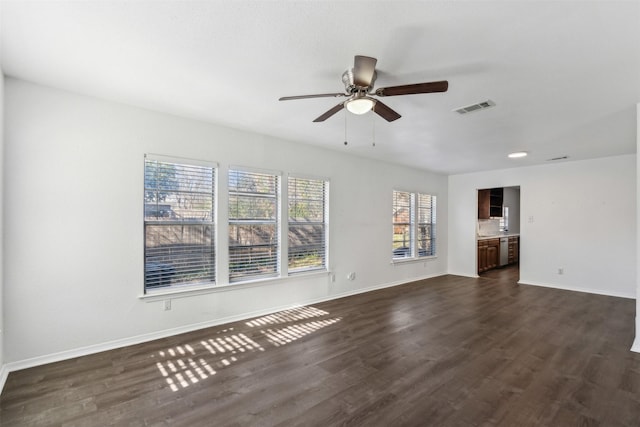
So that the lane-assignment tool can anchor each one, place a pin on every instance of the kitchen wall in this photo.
(579, 216)
(74, 236)
(488, 227)
(512, 201)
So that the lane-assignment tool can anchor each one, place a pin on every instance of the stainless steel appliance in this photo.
(504, 251)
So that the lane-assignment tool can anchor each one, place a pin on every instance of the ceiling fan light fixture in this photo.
(360, 105)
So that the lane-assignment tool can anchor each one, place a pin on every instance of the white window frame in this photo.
(412, 252)
(235, 276)
(165, 267)
(221, 223)
(324, 223)
(401, 220)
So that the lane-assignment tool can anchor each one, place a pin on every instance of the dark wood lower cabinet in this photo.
(489, 253)
(482, 256)
(514, 249)
(493, 253)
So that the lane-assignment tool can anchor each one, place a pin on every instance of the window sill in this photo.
(194, 290)
(400, 261)
(177, 292)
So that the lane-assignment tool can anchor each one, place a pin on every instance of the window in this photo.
(253, 225)
(504, 220)
(178, 223)
(307, 224)
(426, 224)
(402, 214)
(180, 229)
(414, 220)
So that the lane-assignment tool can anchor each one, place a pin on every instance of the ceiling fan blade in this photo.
(330, 113)
(413, 89)
(364, 70)
(385, 112)
(319, 95)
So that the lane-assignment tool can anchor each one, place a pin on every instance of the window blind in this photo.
(426, 208)
(307, 226)
(253, 225)
(402, 217)
(178, 224)
(414, 225)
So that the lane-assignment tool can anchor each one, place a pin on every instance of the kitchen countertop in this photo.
(497, 236)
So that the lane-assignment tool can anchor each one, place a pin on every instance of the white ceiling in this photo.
(565, 75)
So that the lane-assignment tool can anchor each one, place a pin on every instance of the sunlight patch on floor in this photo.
(291, 333)
(286, 316)
(181, 367)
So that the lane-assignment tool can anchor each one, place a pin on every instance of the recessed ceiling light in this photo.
(518, 154)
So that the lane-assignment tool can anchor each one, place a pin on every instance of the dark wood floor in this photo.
(449, 351)
(510, 274)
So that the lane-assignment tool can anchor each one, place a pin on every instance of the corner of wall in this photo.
(3, 372)
(636, 344)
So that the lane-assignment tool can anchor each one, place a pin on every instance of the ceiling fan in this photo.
(358, 84)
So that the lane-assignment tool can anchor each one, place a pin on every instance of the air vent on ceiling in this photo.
(475, 107)
(558, 158)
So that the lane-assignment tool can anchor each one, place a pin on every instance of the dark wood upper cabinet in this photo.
(483, 203)
(490, 203)
(496, 199)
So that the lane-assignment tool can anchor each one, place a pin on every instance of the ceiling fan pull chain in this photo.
(345, 128)
(373, 119)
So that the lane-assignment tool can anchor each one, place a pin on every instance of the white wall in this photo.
(636, 344)
(579, 216)
(74, 237)
(2, 171)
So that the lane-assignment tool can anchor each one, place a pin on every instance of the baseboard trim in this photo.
(577, 289)
(139, 339)
(636, 343)
(473, 276)
(4, 373)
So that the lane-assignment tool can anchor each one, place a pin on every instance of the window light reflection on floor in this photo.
(181, 365)
(291, 333)
(285, 316)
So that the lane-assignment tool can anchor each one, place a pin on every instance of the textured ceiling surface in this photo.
(565, 76)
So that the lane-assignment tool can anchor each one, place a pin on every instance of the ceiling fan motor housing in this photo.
(351, 87)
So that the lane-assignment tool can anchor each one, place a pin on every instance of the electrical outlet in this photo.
(351, 276)
(332, 277)
(561, 271)
(167, 305)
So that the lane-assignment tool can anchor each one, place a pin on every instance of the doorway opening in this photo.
(498, 232)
